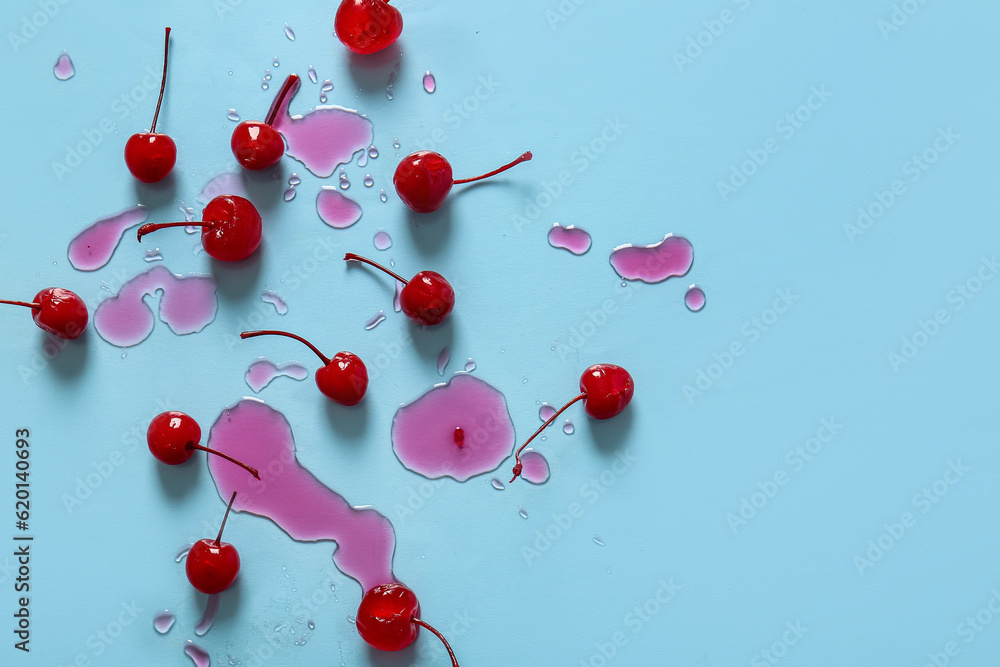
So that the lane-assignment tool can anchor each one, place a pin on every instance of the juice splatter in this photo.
(335, 209)
(64, 68)
(430, 83)
(264, 371)
(198, 655)
(570, 238)
(535, 467)
(93, 247)
(694, 298)
(655, 263)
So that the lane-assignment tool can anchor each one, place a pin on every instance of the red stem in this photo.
(151, 227)
(218, 540)
(291, 82)
(249, 469)
(163, 82)
(358, 258)
(252, 334)
(517, 454)
(523, 158)
(36, 306)
(451, 654)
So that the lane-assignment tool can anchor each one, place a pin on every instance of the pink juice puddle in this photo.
(273, 298)
(292, 497)
(536, 467)
(93, 247)
(264, 371)
(324, 138)
(570, 238)
(694, 298)
(226, 183)
(430, 83)
(382, 240)
(208, 618)
(187, 305)
(459, 429)
(163, 621)
(335, 209)
(64, 68)
(198, 655)
(443, 358)
(654, 263)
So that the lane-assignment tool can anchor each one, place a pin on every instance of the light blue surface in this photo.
(553, 88)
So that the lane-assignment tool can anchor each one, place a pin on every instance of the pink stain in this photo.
(64, 68)
(93, 247)
(264, 371)
(694, 298)
(654, 263)
(536, 467)
(570, 238)
(292, 497)
(337, 210)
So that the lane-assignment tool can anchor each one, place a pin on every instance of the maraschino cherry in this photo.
(212, 565)
(230, 232)
(174, 436)
(151, 155)
(389, 616)
(343, 379)
(57, 311)
(423, 179)
(426, 298)
(367, 26)
(258, 145)
(605, 390)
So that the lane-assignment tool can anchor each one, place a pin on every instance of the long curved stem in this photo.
(218, 540)
(151, 227)
(517, 455)
(36, 306)
(249, 469)
(358, 258)
(451, 654)
(163, 81)
(524, 157)
(290, 82)
(269, 332)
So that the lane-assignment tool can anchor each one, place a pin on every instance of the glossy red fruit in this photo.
(424, 179)
(367, 26)
(174, 436)
(389, 619)
(150, 156)
(426, 298)
(343, 379)
(605, 389)
(212, 565)
(57, 311)
(257, 145)
(231, 229)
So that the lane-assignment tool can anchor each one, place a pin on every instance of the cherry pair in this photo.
(58, 311)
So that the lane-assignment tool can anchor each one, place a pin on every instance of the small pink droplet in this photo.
(64, 68)
(570, 238)
(694, 298)
(430, 83)
(335, 209)
(535, 467)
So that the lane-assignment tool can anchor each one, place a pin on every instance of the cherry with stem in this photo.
(389, 619)
(257, 145)
(424, 179)
(174, 436)
(231, 228)
(150, 156)
(367, 26)
(57, 311)
(212, 565)
(426, 298)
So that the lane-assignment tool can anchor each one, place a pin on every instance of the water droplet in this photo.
(312, 626)
(525, 379)
(375, 320)
(276, 63)
(163, 621)
(344, 182)
(289, 33)
(273, 298)
(523, 513)
(280, 627)
(198, 655)
(233, 116)
(267, 74)
(382, 196)
(350, 619)
(391, 83)
(327, 86)
(312, 74)
(395, 144)
(382, 240)
(430, 84)
(694, 298)
(263, 84)
(470, 365)
(546, 412)
(294, 179)
(64, 68)
(289, 194)
(183, 551)
(372, 152)
(153, 255)
(598, 541)
(568, 428)
(230, 71)
(497, 484)
(443, 357)
(396, 306)
(369, 181)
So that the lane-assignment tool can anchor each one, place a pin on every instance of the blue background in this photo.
(523, 312)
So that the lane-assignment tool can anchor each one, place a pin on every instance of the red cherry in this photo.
(605, 390)
(423, 179)
(388, 619)
(367, 26)
(212, 565)
(343, 379)
(174, 436)
(58, 311)
(151, 155)
(258, 145)
(231, 231)
(426, 298)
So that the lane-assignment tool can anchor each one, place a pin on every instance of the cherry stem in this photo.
(517, 454)
(451, 654)
(252, 334)
(358, 258)
(272, 113)
(151, 227)
(163, 82)
(524, 157)
(36, 306)
(218, 540)
(249, 469)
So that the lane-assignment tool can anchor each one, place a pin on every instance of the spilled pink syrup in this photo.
(226, 183)
(198, 655)
(264, 371)
(92, 248)
(571, 238)
(64, 68)
(335, 209)
(324, 138)
(694, 298)
(424, 432)
(535, 467)
(291, 497)
(211, 609)
(654, 263)
(187, 305)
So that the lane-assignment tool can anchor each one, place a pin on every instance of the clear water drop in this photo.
(375, 320)
(546, 412)
(289, 33)
(430, 84)
(289, 194)
(312, 626)
(294, 179)
(382, 196)
(442, 361)
(233, 116)
(568, 428)
(395, 144)
(267, 74)
(263, 84)
(312, 74)
(598, 541)
(470, 365)
(182, 552)
(372, 152)
(369, 181)
(497, 484)
(153, 255)
(163, 621)
(276, 63)
(523, 513)
(322, 98)
(344, 182)
(382, 240)
(327, 86)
